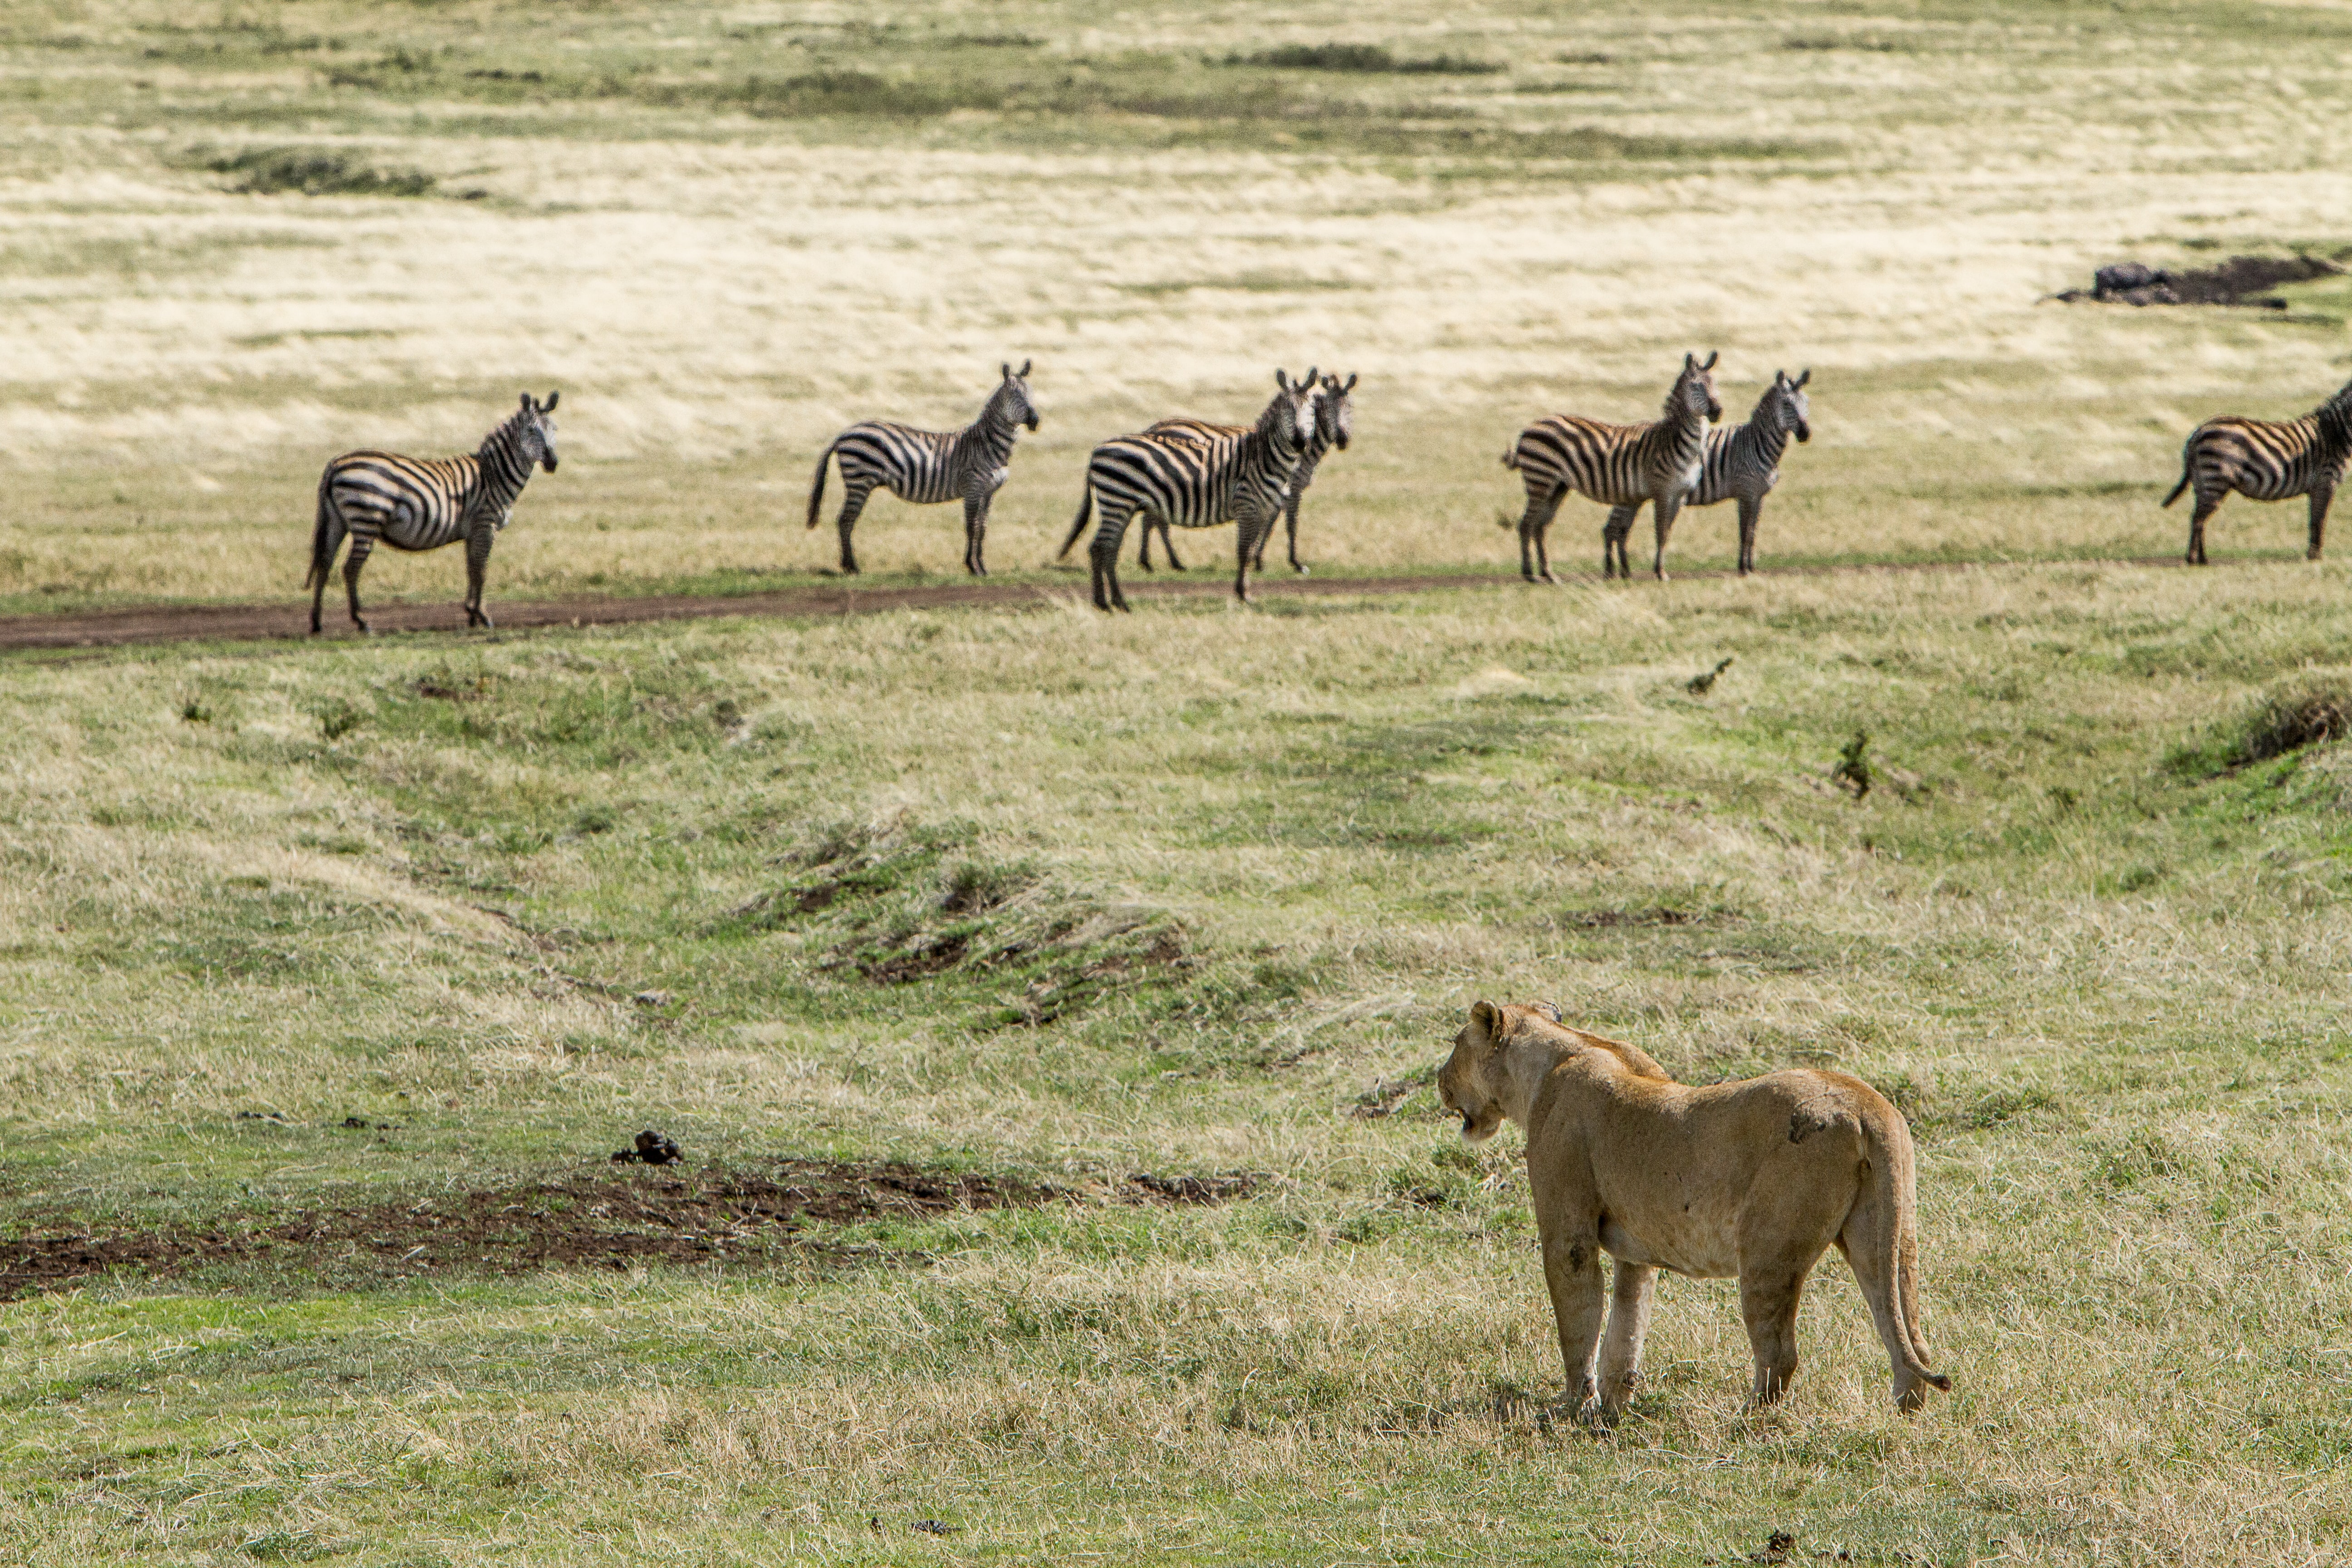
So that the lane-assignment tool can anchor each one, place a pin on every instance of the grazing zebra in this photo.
(927, 466)
(1742, 463)
(2266, 460)
(424, 503)
(1335, 422)
(1616, 465)
(1196, 481)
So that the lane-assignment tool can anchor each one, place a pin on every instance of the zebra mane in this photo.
(505, 436)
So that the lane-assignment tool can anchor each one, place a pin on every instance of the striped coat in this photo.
(2265, 460)
(1743, 463)
(1616, 465)
(1335, 424)
(1199, 479)
(424, 503)
(927, 466)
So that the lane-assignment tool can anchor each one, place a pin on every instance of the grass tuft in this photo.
(1364, 59)
(316, 171)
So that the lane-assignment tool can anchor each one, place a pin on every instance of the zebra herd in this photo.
(1189, 473)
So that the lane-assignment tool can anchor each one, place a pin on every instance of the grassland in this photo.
(1049, 901)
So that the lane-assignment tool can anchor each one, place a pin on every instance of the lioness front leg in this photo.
(1629, 1321)
(1572, 1271)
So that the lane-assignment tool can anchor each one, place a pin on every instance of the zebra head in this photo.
(1784, 407)
(1289, 419)
(1012, 403)
(1693, 392)
(534, 432)
(1335, 411)
(528, 433)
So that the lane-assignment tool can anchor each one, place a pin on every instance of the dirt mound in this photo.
(2240, 281)
(608, 1219)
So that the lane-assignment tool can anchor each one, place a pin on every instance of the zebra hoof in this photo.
(1294, 566)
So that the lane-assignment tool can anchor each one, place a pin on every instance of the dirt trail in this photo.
(602, 1219)
(229, 623)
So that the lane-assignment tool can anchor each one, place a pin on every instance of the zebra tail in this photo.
(817, 486)
(323, 541)
(2186, 467)
(1086, 511)
(1511, 456)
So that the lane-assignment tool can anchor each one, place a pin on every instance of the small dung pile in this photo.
(2240, 281)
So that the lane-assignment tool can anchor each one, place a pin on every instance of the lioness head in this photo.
(1467, 1083)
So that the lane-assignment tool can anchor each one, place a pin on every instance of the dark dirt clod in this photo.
(1776, 1549)
(652, 1148)
(2240, 281)
(1195, 1189)
(607, 1218)
(1604, 919)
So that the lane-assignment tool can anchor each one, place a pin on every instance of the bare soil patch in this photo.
(609, 1218)
(2240, 281)
(290, 622)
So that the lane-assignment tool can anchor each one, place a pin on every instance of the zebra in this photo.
(1335, 422)
(1742, 463)
(424, 503)
(1198, 480)
(927, 466)
(1616, 465)
(2266, 460)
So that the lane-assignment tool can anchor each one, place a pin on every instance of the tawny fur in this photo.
(1752, 1180)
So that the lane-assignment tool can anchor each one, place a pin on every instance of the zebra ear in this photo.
(1711, 358)
(549, 407)
(1311, 376)
(526, 403)
(1281, 379)
(1024, 368)
(1805, 378)
(1351, 382)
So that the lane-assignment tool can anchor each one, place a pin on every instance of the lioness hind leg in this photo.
(1767, 1305)
(1878, 1260)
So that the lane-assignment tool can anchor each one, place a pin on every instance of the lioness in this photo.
(1754, 1179)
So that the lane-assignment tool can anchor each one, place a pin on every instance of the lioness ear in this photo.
(1486, 1018)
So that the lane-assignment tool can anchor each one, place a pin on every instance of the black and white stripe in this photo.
(927, 466)
(1335, 424)
(1743, 463)
(1212, 475)
(2265, 460)
(424, 503)
(1616, 465)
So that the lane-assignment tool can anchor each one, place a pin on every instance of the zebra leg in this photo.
(1168, 547)
(1612, 537)
(478, 562)
(1539, 505)
(1103, 554)
(1143, 549)
(1662, 521)
(1290, 519)
(1750, 509)
(1247, 544)
(323, 567)
(361, 544)
(2205, 509)
(852, 501)
(2319, 500)
(1536, 525)
(975, 529)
